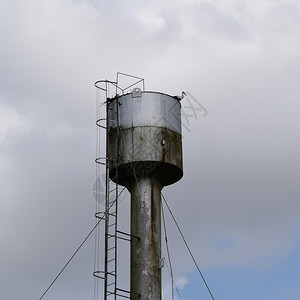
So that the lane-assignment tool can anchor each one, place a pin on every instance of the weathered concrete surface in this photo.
(145, 251)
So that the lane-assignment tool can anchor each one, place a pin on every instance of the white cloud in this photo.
(10, 121)
(179, 284)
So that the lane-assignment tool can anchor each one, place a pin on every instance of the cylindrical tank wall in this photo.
(145, 138)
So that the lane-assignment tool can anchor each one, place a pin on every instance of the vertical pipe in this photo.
(145, 250)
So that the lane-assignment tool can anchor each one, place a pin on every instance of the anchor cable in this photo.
(168, 251)
(71, 258)
(188, 248)
(100, 219)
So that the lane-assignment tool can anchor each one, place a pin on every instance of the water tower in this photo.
(144, 154)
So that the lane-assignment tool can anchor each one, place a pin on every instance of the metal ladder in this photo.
(110, 214)
(111, 222)
(112, 194)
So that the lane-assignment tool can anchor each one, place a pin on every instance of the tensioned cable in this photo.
(176, 288)
(187, 246)
(71, 257)
(168, 252)
(100, 219)
(96, 174)
(98, 105)
(169, 270)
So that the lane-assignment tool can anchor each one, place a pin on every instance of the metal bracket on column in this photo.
(161, 263)
(127, 234)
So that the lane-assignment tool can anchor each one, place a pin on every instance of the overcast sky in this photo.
(238, 202)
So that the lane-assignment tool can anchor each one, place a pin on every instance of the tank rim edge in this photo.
(146, 92)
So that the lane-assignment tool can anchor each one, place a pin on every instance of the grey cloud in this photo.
(241, 161)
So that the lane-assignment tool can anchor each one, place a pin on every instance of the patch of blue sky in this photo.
(224, 243)
(281, 280)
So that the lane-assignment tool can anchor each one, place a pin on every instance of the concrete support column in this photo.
(145, 274)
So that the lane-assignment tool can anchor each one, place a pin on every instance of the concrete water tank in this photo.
(144, 130)
(145, 154)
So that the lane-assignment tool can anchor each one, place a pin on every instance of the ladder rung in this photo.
(111, 284)
(112, 214)
(111, 273)
(113, 114)
(111, 260)
(111, 235)
(128, 297)
(111, 120)
(110, 293)
(121, 290)
(121, 238)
